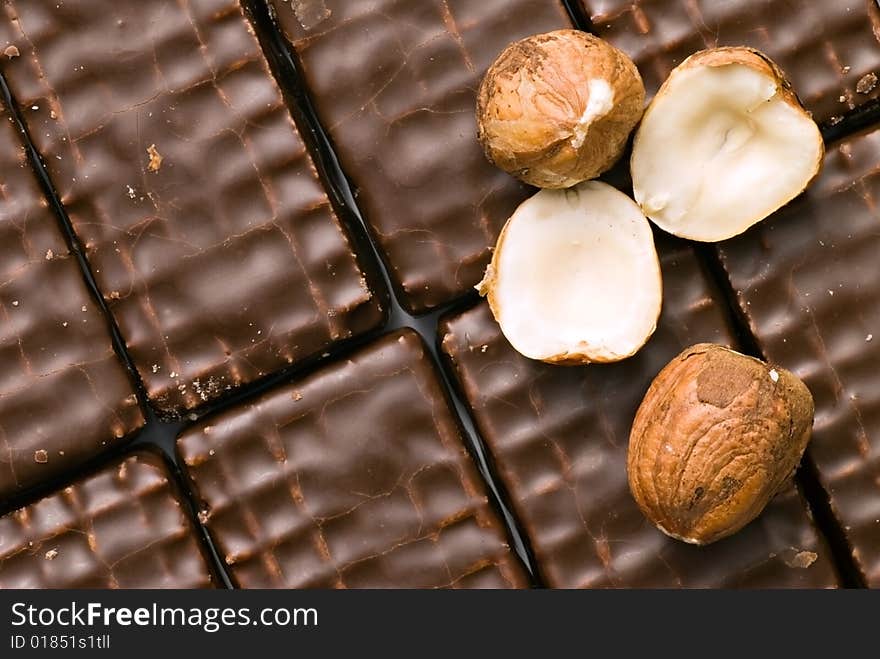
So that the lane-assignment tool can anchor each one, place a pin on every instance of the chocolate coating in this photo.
(825, 47)
(559, 435)
(394, 84)
(806, 279)
(64, 394)
(222, 262)
(122, 527)
(356, 476)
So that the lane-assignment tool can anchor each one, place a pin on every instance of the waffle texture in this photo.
(806, 280)
(64, 394)
(184, 176)
(356, 477)
(394, 83)
(122, 527)
(830, 49)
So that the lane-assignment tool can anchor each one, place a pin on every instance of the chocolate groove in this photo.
(807, 476)
(72, 240)
(853, 122)
(179, 481)
(578, 15)
(288, 74)
(156, 434)
(286, 67)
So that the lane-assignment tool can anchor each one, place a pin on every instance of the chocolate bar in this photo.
(806, 280)
(122, 527)
(182, 172)
(394, 84)
(64, 394)
(356, 476)
(558, 437)
(829, 50)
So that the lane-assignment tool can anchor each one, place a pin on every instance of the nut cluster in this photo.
(574, 277)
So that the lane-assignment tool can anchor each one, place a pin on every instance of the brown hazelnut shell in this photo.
(532, 101)
(717, 436)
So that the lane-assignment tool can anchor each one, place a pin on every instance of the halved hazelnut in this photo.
(556, 109)
(575, 277)
(723, 144)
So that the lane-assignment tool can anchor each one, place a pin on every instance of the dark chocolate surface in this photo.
(356, 476)
(559, 434)
(807, 281)
(122, 527)
(222, 262)
(830, 49)
(394, 83)
(64, 394)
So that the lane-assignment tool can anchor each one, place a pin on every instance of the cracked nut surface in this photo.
(717, 435)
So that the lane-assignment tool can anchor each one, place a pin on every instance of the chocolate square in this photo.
(202, 215)
(121, 527)
(356, 476)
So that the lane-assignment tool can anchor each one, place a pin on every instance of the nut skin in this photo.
(531, 105)
(717, 436)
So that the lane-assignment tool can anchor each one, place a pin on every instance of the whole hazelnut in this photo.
(556, 109)
(716, 437)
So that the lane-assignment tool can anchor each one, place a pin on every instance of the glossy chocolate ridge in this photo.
(558, 436)
(356, 476)
(181, 170)
(64, 394)
(807, 282)
(394, 84)
(829, 49)
(122, 527)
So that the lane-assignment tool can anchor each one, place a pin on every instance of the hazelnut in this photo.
(556, 109)
(716, 437)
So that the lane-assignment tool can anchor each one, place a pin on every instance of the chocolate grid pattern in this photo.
(559, 436)
(122, 527)
(228, 262)
(394, 83)
(62, 389)
(298, 494)
(807, 282)
(825, 47)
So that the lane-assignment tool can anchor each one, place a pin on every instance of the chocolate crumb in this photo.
(802, 559)
(51, 554)
(11, 51)
(310, 13)
(297, 396)
(866, 83)
(155, 158)
(41, 456)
